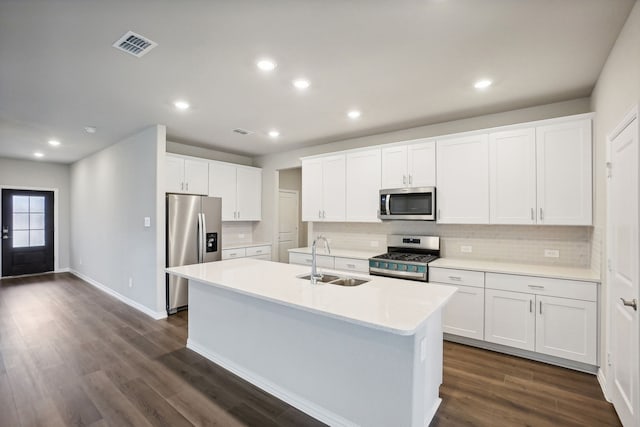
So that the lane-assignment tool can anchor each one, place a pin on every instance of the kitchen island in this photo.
(369, 355)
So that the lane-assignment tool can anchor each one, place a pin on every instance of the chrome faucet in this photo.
(314, 265)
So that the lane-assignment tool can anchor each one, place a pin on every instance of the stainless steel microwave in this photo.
(408, 203)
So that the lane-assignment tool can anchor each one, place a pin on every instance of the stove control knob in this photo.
(403, 267)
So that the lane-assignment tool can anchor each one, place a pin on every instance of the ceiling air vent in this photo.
(242, 131)
(134, 44)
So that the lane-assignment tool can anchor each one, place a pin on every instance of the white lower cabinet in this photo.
(552, 316)
(464, 314)
(256, 252)
(509, 319)
(325, 261)
(351, 264)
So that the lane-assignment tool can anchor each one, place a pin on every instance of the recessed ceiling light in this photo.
(181, 105)
(90, 129)
(354, 114)
(301, 84)
(266, 65)
(38, 154)
(482, 84)
(274, 133)
(54, 142)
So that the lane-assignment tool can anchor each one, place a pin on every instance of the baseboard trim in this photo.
(63, 270)
(146, 310)
(300, 403)
(532, 355)
(603, 384)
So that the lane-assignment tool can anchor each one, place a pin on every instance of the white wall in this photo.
(111, 193)
(267, 228)
(206, 153)
(33, 174)
(615, 93)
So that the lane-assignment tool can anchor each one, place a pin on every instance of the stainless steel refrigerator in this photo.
(194, 235)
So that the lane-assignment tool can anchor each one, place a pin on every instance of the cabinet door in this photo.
(394, 167)
(566, 328)
(312, 190)
(421, 164)
(363, 186)
(222, 183)
(564, 173)
(512, 177)
(334, 188)
(249, 197)
(510, 319)
(463, 180)
(196, 176)
(174, 174)
(464, 313)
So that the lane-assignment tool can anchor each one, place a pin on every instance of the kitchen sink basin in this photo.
(348, 281)
(324, 279)
(336, 280)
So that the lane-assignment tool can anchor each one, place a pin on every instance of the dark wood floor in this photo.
(71, 355)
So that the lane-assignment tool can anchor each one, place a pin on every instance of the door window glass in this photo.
(28, 221)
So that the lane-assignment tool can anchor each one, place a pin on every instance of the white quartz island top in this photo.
(550, 271)
(393, 305)
(343, 253)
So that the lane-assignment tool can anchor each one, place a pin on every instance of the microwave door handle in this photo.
(388, 204)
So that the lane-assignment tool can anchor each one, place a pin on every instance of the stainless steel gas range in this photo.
(407, 257)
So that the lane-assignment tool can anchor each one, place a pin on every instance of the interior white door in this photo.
(287, 223)
(623, 241)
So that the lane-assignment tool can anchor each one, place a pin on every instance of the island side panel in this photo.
(336, 371)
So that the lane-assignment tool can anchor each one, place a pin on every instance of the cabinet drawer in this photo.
(233, 253)
(325, 261)
(352, 264)
(587, 291)
(259, 250)
(456, 277)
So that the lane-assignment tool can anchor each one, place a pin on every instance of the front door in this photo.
(27, 232)
(623, 230)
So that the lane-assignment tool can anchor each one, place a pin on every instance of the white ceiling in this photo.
(403, 63)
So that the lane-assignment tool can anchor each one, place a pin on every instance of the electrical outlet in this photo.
(131, 282)
(552, 253)
(147, 221)
(240, 236)
(374, 244)
(466, 249)
(80, 261)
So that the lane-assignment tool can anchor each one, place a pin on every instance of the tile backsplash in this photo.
(509, 243)
(234, 233)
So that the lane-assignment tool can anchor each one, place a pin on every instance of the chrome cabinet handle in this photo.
(187, 184)
(324, 214)
(540, 307)
(410, 179)
(404, 179)
(319, 214)
(530, 306)
(258, 252)
(182, 186)
(5, 233)
(457, 278)
(532, 215)
(536, 286)
(238, 214)
(633, 303)
(541, 215)
(351, 266)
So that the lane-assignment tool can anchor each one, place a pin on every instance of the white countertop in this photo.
(393, 305)
(245, 245)
(343, 253)
(551, 271)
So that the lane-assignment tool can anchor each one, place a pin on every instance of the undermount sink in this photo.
(336, 280)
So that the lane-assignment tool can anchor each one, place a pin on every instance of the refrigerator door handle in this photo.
(203, 237)
(199, 256)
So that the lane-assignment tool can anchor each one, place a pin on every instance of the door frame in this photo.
(632, 114)
(297, 193)
(56, 228)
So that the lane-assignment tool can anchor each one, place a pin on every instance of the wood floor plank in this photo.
(72, 355)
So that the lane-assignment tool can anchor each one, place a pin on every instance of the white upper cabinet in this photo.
(324, 188)
(240, 188)
(564, 173)
(512, 177)
(186, 175)
(410, 165)
(463, 180)
(363, 185)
